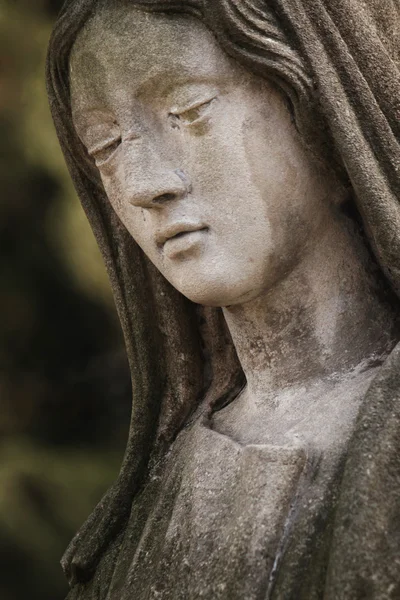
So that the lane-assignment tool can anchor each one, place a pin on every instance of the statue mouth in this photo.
(186, 241)
(178, 231)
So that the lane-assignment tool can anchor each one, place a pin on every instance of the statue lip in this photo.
(178, 230)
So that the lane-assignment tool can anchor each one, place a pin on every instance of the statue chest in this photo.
(214, 524)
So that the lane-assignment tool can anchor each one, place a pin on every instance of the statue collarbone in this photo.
(318, 416)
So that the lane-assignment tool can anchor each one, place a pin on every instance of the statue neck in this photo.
(325, 317)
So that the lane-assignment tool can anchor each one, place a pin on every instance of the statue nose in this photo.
(150, 194)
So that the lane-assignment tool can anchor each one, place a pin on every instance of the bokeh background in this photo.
(64, 383)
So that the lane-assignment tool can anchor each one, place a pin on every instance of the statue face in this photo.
(199, 157)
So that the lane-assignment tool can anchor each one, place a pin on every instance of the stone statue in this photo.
(239, 162)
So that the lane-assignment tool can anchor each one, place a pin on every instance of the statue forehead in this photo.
(122, 42)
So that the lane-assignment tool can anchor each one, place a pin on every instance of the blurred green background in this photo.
(64, 382)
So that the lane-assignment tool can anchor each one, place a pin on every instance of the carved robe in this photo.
(222, 521)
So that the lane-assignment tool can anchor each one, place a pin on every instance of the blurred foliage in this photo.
(64, 384)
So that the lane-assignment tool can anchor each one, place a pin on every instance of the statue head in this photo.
(203, 137)
(199, 157)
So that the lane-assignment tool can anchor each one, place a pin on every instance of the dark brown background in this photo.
(64, 385)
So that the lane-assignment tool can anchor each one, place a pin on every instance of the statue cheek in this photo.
(115, 193)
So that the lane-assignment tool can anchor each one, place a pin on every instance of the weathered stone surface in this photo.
(240, 165)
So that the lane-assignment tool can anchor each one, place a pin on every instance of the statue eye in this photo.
(193, 115)
(104, 152)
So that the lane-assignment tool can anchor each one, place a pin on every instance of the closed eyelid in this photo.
(131, 136)
(92, 150)
(179, 110)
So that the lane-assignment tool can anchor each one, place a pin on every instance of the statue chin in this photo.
(272, 425)
(218, 287)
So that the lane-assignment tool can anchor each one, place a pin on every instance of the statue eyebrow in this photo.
(166, 82)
